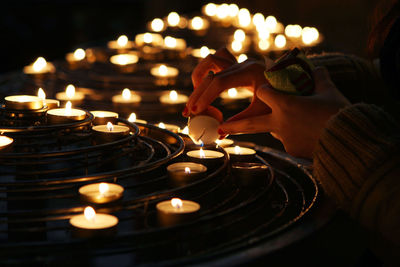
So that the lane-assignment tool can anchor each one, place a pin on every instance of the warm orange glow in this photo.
(110, 126)
(161, 125)
(41, 94)
(202, 154)
(39, 64)
(176, 203)
(126, 94)
(173, 95)
(170, 42)
(187, 170)
(237, 150)
(103, 188)
(157, 25)
(163, 70)
(79, 54)
(70, 91)
(132, 117)
(232, 92)
(90, 213)
(197, 23)
(173, 19)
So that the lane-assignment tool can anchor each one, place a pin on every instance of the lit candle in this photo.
(202, 52)
(91, 224)
(133, 118)
(107, 133)
(223, 12)
(65, 115)
(70, 94)
(125, 62)
(176, 211)
(244, 18)
(50, 103)
(309, 35)
(173, 98)
(171, 43)
(263, 45)
(5, 143)
(271, 24)
(185, 131)
(280, 41)
(147, 38)
(239, 35)
(163, 71)
(173, 19)
(209, 158)
(258, 19)
(293, 31)
(210, 9)
(237, 46)
(23, 102)
(157, 25)
(242, 58)
(40, 66)
(170, 127)
(236, 94)
(238, 153)
(102, 117)
(126, 97)
(182, 173)
(198, 24)
(121, 43)
(224, 142)
(77, 56)
(101, 193)
(203, 129)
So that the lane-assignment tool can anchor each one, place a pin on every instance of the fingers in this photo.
(214, 112)
(322, 79)
(219, 61)
(257, 107)
(257, 124)
(272, 97)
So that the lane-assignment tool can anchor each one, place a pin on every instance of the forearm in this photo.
(356, 162)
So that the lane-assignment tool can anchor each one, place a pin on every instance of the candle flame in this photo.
(271, 23)
(79, 54)
(157, 25)
(264, 44)
(185, 130)
(103, 188)
(237, 150)
(173, 95)
(147, 38)
(239, 35)
(68, 108)
(70, 91)
(122, 41)
(244, 17)
(223, 11)
(163, 70)
(258, 19)
(176, 203)
(170, 42)
(233, 10)
(293, 30)
(197, 23)
(237, 46)
(101, 115)
(187, 170)
(242, 58)
(126, 94)
(161, 125)
(280, 41)
(110, 127)
(204, 51)
(202, 154)
(309, 35)
(173, 19)
(132, 117)
(90, 213)
(232, 92)
(211, 9)
(41, 94)
(39, 64)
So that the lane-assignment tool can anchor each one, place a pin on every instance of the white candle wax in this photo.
(126, 97)
(124, 59)
(102, 117)
(186, 206)
(70, 94)
(205, 154)
(101, 192)
(93, 221)
(173, 97)
(109, 133)
(238, 153)
(23, 102)
(40, 66)
(5, 141)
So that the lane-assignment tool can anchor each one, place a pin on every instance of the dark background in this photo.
(51, 28)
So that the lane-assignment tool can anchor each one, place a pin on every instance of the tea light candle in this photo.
(77, 56)
(170, 127)
(101, 193)
(251, 174)
(182, 173)
(70, 94)
(224, 142)
(157, 25)
(147, 38)
(124, 59)
(207, 157)
(202, 52)
(238, 153)
(102, 117)
(50, 103)
(173, 98)
(126, 97)
(309, 35)
(133, 118)
(65, 115)
(109, 133)
(171, 43)
(163, 71)
(236, 94)
(121, 43)
(91, 223)
(198, 24)
(173, 19)
(176, 211)
(40, 66)
(23, 102)
(280, 41)
(5, 142)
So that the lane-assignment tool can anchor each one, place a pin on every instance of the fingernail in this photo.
(221, 137)
(220, 132)
(194, 108)
(185, 111)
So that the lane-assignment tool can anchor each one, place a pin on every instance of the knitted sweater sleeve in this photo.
(357, 161)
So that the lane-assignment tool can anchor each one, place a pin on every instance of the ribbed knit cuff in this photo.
(355, 142)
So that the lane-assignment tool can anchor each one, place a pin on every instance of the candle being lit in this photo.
(206, 157)
(40, 66)
(182, 173)
(238, 153)
(101, 193)
(157, 25)
(70, 94)
(91, 223)
(23, 102)
(50, 103)
(176, 211)
(224, 142)
(102, 117)
(163, 71)
(5, 142)
(173, 98)
(109, 133)
(126, 97)
(133, 118)
(65, 115)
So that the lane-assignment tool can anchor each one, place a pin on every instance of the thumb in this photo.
(322, 79)
(270, 96)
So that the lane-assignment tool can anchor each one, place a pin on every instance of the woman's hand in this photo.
(297, 121)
